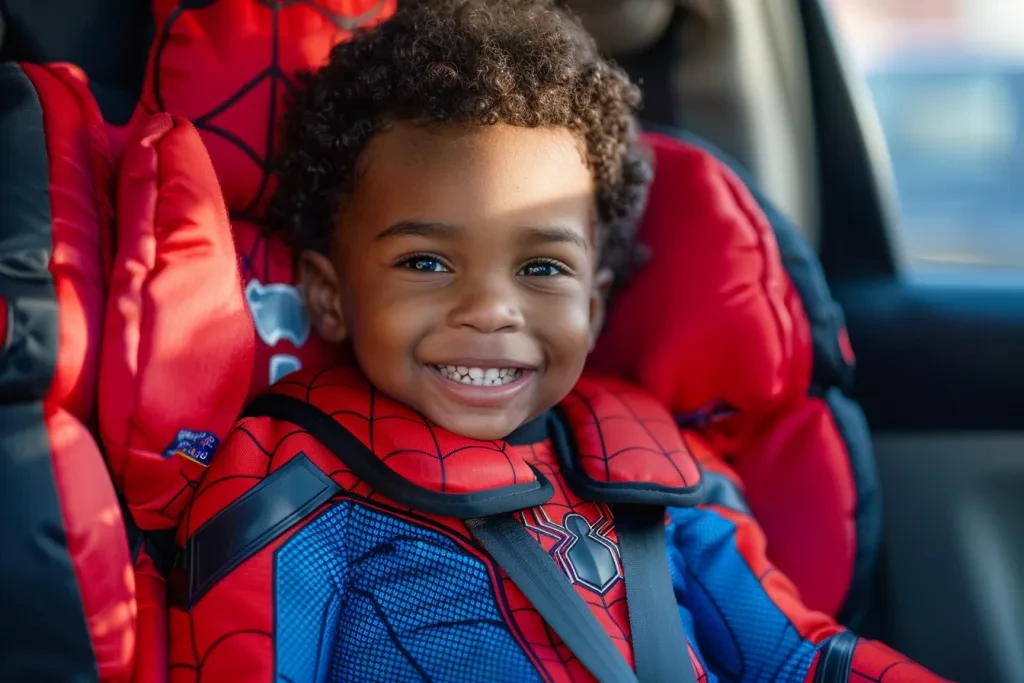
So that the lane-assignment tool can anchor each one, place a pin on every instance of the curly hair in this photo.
(472, 62)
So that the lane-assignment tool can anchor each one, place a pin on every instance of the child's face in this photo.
(465, 272)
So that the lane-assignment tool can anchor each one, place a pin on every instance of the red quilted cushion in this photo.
(82, 226)
(715, 328)
(712, 324)
(177, 335)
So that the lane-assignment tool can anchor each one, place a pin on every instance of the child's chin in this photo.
(491, 425)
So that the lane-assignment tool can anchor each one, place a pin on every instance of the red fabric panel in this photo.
(712, 318)
(800, 489)
(709, 461)
(151, 651)
(178, 342)
(226, 68)
(96, 543)
(80, 177)
(117, 136)
(624, 436)
(714, 323)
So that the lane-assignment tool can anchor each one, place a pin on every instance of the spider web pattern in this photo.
(408, 443)
(624, 435)
(213, 642)
(228, 634)
(273, 79)
(546, 524)
(157, 506)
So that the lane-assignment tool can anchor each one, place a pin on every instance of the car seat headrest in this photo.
(711, 324)
(228, 65)
(623, 28)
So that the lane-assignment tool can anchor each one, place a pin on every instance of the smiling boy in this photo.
(469, 298)
(462, 185)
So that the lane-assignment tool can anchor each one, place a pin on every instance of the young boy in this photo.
(458, 504)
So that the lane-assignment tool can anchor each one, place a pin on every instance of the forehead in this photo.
(485, 175)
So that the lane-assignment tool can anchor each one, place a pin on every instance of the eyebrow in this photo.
(419, 229)
(414, 228)
(558, 235)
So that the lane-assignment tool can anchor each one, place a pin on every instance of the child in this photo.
(462, 184)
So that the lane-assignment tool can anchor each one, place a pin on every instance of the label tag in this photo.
(198, 447)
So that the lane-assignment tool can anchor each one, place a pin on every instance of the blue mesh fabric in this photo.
(365, 596)
(742, 635)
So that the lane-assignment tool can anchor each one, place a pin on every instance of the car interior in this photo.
(755, 78)
(773, 88)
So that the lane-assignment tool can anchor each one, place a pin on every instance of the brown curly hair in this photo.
(474, 62)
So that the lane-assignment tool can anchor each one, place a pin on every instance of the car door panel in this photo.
(940, 375)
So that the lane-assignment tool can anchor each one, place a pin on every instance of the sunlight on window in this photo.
(947, 77)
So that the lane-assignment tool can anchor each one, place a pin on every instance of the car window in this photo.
(947, 78)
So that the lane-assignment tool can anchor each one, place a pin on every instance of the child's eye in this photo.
(424, 263)
(543, 268)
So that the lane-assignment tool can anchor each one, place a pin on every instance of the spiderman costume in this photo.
(333, 539)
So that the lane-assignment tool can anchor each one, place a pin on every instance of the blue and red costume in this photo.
(330, 540)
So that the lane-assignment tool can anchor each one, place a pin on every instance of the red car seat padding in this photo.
(72, 613)
(179, 343)
(712, 317)
(714, 327)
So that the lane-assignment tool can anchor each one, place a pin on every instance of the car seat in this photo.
(730, 324)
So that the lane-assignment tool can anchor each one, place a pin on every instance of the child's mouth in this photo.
(479, 377)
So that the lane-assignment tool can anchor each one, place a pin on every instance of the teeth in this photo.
(480, 377)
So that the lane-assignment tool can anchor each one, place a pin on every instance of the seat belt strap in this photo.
(552, 594)
(660, 648)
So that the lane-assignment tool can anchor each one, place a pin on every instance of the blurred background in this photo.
(947, 78)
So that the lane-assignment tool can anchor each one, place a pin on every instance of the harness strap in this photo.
(654, 619)
(551, 593)
(660, 647)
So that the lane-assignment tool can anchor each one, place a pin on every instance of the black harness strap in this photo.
(835, 660)
(551, 593)
(659, 643)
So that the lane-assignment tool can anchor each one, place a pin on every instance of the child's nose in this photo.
(486, 307)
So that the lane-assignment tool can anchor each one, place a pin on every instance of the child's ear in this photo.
(599, 294)
(322, 291)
